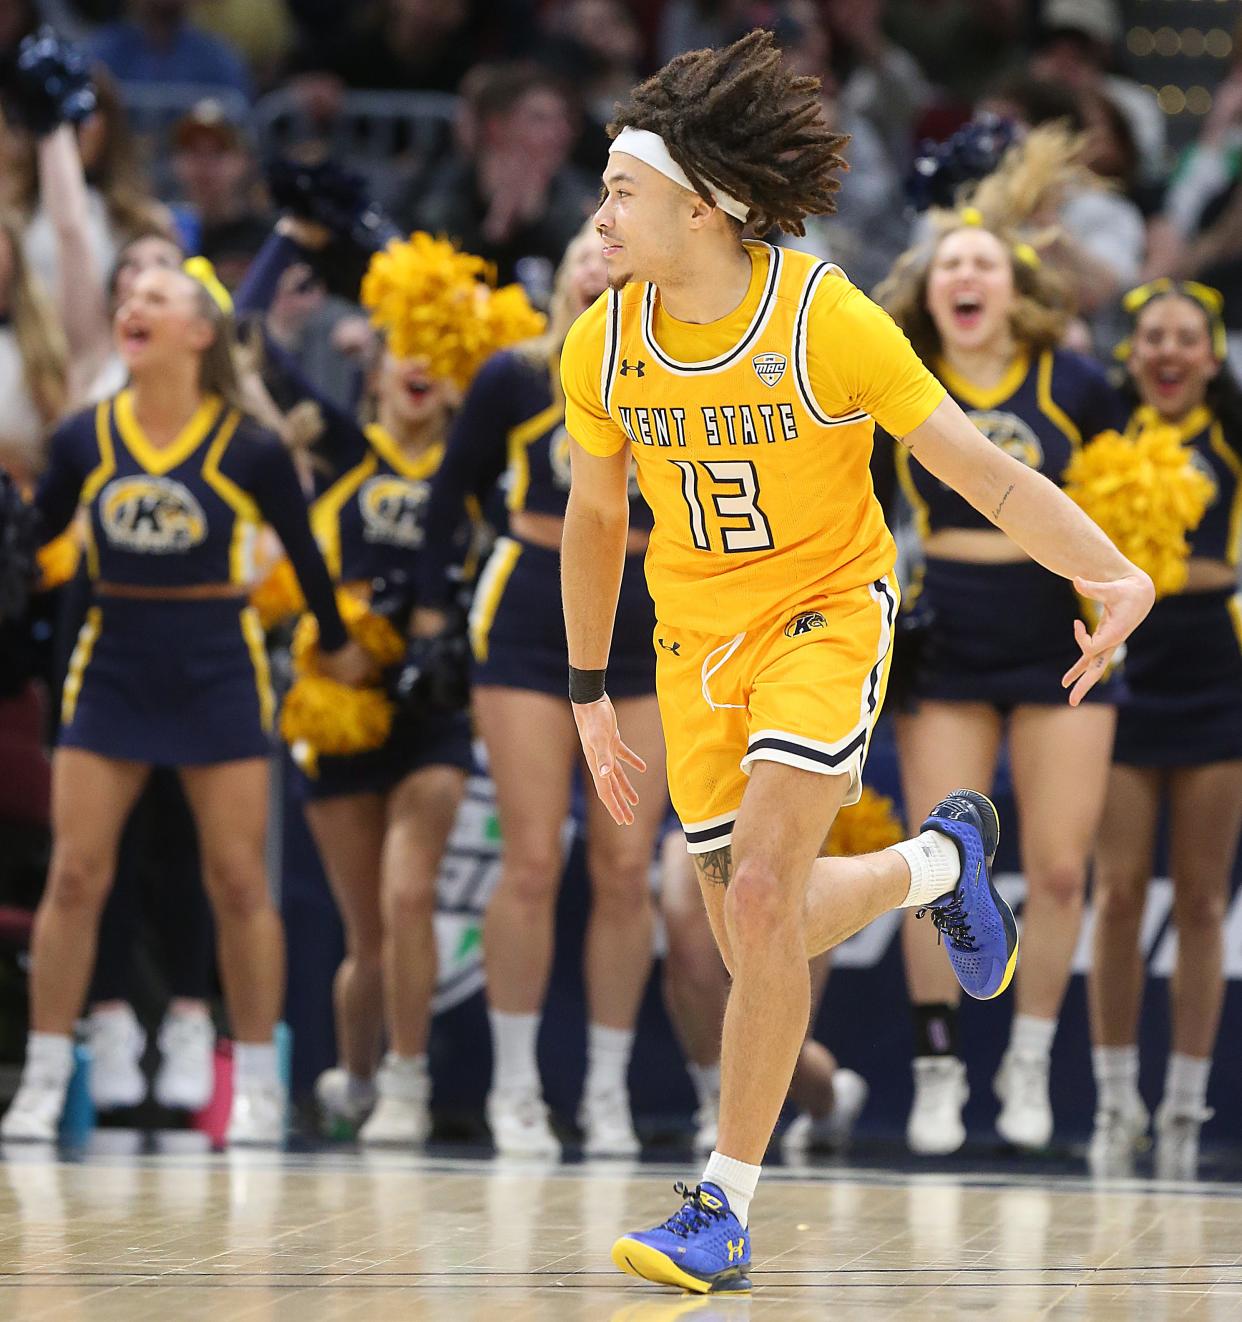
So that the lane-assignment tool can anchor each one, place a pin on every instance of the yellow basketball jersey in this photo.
(752, 435)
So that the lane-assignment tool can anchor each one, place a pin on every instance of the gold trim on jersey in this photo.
(1048, 406)
(492, 584)
(247, 517)
(767, 301)
(325, 513)
(1235, 616)
(88, 636)
(252, 632)
(385, 445)
(95, 482)
(1197, 420)
(1233, 543)
(158, 460)
(980, 397)
(520, 439)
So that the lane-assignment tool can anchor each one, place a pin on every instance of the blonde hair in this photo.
(545, 349)
(40, 336)
(1032, 176)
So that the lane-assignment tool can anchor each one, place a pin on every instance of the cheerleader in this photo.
(381, 819)
(987, 317)
(1179, 748)
(514, 417)
(169, 670)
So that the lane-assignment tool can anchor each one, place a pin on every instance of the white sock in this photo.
(50, 1056)
(608, 1060)
(109, 1012)
(514, 1065)
(254, 1065)
(1116, 1077)
(404, 1078)
(935, 866)
(706, 1080)
(357, 1088)
(1185, 1084)
(736, 1178)
(1031, 1036)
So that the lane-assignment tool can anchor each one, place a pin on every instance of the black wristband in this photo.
(585, 685)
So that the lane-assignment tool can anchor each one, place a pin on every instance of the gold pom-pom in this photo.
(438, 303)
(334, 720)
(279, 596)
(374, 633)
(1146, 494)
(58, 560)
(865, 827)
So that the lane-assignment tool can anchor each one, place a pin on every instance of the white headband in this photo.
(649, 148)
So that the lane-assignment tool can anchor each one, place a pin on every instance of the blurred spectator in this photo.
(119, 202)
(1102, 237)
(425, 45)
(1076, 44)
(222, 212)
(959, 44)
(158, 44)
(262, 33)
(596, 46)
(878, 79)
(511, 196)
(693, 24)
(868, 230)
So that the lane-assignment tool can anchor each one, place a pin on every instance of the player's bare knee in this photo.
(759, 905)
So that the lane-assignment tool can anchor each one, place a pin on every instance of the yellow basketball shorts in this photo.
(804, 690)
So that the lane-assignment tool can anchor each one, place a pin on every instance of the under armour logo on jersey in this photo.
(769, 367)
(804, 623)
(675, 648)
(626, 368)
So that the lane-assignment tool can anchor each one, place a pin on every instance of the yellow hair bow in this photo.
(200, 269)
(972, 218)
(1210, 300)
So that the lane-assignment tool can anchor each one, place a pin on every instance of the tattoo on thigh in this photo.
(716, 866)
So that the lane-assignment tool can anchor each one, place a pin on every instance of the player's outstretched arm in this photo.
(1047, 525)
(592, 559)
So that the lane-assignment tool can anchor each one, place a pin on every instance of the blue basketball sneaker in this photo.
(978, 927)
(703, 1247)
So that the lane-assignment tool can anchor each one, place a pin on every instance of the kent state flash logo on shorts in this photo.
(804, 623)
(769, 367)
(151, 515)
(392, 509)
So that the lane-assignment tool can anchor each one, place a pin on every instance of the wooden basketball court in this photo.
(184, 1235)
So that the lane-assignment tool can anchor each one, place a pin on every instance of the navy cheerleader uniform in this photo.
(1003, 634)
(169, 667)
(1184, 662)
(513, 423)
(369, 524)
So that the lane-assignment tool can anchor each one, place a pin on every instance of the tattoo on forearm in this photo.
(716, 866)
(996, 513)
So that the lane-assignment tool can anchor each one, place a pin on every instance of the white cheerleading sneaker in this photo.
(831, 1132)
(1021, 1086)
(186, 1077)
(340, 1100)
(707, 1125)
(520, 1126)
(116, 1041)
(1177, 1141)
(608, 1125)
(935, 1126)
(401, 1116)
(257, 1117)
(34, 1114)
(1118, 1134)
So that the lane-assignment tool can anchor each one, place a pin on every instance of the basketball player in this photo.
(744, 381)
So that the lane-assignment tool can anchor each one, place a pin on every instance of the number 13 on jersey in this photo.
(731, 486)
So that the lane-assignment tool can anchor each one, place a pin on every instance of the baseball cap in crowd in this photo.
(208, 121)
(1100, 20)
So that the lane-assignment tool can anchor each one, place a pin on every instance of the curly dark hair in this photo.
(736, 119)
